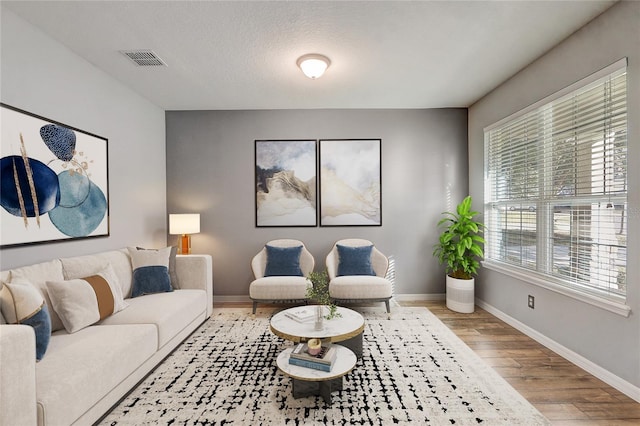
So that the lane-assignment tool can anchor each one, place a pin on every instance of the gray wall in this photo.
(210, 170)
(607, 339)
(41, 76)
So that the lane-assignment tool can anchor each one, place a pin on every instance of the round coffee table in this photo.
(308, 382)
(346, 329)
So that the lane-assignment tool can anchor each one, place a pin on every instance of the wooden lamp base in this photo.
(185, 244)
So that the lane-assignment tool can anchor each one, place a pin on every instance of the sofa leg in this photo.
(255, 306)
(386, 303)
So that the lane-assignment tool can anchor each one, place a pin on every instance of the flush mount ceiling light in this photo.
(313, 65)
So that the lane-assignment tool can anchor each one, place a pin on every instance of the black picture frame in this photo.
(286, 183)
(54, 181)
(350, 182)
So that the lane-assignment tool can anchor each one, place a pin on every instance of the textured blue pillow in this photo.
(21, 303)
(41, 323)
(150, 271)
(149, 280)
(173, 275)
(354, 260)
(283, 261)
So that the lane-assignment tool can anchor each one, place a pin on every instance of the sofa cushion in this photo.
(170, 312)
(38, 275)
(21, 303)
(354, 260)
(360, 287)
(150, 271)
(283, 261)
(84, 266)
(279, 288)
(85, 301)
(81, 368)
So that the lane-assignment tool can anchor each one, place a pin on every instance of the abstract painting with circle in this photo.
(53, 181)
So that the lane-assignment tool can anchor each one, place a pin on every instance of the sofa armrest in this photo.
(195, 271)
(17, 375)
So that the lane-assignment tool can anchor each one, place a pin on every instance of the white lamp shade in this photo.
(184, 223)
(313, 65)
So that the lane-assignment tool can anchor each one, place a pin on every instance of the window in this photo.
(556, 190)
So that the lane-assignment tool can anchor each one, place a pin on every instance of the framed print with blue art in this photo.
(54, 183)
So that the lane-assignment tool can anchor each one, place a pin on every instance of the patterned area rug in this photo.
(414, 370)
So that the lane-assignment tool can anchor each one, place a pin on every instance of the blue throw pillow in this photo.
(149, 280)
(41, 323)
(150, 271)
(21, 303)
(354, 260)
(173, 275)
(283, 261)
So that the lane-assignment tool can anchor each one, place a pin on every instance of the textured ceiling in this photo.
(242, 55)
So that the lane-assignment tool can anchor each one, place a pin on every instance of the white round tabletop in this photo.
(346, 326)
(344, 363)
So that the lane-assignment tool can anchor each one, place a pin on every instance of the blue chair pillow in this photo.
(283, 261)
(354, 260)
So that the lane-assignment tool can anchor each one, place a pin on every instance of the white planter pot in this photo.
(460, 295)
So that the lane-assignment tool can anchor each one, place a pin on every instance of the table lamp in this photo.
(184, 225)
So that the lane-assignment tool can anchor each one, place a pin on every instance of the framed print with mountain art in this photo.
(350, 182)
(54, 182)
(285, 183)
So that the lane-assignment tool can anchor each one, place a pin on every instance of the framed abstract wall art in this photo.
(350, 182)
(54, 183)
(285, 183)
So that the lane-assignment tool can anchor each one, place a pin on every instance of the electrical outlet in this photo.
(531, 302)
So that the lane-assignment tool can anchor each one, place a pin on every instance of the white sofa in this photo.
(83, 374)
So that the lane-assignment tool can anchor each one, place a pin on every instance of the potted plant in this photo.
(318, 292)
(459, 249)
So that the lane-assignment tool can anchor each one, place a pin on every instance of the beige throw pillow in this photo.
(85, 301)
(37, 275)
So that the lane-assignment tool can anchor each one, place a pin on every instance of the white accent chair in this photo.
(280, 289)
(359, 288)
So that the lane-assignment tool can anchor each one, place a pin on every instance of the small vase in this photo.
(319, 317)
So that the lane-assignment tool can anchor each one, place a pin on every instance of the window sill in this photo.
(618, 308)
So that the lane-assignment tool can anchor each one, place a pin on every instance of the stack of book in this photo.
(323, 361)
(301, 314)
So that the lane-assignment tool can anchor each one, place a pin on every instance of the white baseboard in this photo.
(606, 376)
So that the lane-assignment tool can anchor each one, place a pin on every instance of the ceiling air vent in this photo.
(144, 58)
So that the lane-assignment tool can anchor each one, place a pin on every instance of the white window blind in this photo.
(556, 187)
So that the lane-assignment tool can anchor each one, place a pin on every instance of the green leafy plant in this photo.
(459, 247)
(318, 292)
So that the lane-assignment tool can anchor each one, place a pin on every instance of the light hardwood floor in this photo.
(563, 392)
